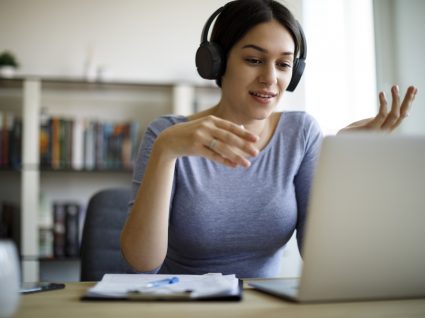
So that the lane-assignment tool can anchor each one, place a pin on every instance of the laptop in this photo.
(365, 233)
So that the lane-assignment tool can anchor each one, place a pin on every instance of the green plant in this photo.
(8, 59)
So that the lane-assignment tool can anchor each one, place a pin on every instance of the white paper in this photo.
(201, 286)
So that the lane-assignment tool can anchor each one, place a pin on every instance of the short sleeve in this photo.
(152, 132)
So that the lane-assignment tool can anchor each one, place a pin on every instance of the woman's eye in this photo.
(253, 61)
(284, 66)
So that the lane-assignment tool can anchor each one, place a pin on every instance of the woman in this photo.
(224, 189)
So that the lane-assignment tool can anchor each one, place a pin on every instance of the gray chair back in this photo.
(100, 244)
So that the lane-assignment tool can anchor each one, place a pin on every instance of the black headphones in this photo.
(209, 56)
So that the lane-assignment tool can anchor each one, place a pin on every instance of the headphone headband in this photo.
(299, 63)
(206, 28)
(303, 44)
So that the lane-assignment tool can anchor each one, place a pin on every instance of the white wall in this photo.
(133, 40)
(400, 52)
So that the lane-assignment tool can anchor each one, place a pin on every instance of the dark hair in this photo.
(239, 16)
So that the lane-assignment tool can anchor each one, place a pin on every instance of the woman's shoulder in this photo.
(165, 121)
(297, 117)
(299, 121)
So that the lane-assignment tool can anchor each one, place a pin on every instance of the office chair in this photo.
(100, 244)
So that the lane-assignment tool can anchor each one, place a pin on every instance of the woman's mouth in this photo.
(262, 96)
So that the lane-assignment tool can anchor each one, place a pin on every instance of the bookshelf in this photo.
(33, 188)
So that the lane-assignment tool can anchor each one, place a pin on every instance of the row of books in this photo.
(87, 144)
(80, 144)
(10, 140)
(62, 239)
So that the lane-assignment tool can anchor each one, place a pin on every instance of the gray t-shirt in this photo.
(237, 221)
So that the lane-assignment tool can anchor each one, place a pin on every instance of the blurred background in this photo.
(118, 60)
(356, 48)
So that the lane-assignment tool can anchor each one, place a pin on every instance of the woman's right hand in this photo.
(211, 137)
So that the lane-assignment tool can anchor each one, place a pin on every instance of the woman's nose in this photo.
(268, 75)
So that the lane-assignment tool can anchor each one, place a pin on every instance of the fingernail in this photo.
(242, 126)
(397, 89)
(253, 152)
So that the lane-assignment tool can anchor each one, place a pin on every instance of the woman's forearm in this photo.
(144, 238)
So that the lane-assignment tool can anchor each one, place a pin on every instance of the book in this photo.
(55, 143)
(6, 222)
(45, 140)
(1, 139)
(58, 230)
(45, 244)
(10, 216)
(89, 142)
(7, 127)
(66, 230)
(72, 226)
(15, 142)
(79, 143)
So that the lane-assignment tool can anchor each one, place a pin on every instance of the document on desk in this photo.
(213, 286)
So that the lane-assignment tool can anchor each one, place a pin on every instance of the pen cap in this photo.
(9, 279)
(174, 280)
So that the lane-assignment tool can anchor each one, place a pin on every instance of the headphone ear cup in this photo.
(297, 72)
(209, 60)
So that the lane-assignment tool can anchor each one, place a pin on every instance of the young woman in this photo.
(223, 190)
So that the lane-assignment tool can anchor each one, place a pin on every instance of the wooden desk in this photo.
(65, 303)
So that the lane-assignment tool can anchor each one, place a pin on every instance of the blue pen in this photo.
(162, 282)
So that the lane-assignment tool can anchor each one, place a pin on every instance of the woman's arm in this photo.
(384, 120)
(144, 238)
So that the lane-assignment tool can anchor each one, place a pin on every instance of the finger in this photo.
(405, 105)
(204, 140)
(394, 114)
(213, 155)
(236, 129)
(407, 101)
(231, 139)
(225, 151)
(382, 114)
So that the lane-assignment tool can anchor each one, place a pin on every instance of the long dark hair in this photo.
(240, 16)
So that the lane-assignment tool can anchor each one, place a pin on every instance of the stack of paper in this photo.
(133, 286)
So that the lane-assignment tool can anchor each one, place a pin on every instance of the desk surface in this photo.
(65, 303)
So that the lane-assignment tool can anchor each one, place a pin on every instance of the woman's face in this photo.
(259, 68)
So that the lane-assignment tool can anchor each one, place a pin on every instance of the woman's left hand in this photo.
(384, 120)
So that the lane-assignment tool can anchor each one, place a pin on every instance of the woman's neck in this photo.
(261, 127)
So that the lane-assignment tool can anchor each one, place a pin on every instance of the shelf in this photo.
(50, 259)
(86, 170)
(36, 188)
(55, 259)
(10, 169)
(11, 83)
(79, 82)
(34, 167)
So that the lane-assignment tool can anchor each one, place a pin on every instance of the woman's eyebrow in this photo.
(262, 50)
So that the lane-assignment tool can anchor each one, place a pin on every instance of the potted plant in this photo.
(8, 64)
